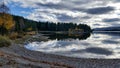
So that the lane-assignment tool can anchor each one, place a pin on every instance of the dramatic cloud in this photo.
(111, 20)
(91, 12)
(97, 50)
(100, 10)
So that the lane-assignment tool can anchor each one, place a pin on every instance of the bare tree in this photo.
(4, 8)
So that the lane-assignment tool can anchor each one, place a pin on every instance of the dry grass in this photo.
(13, 35)
(31, 33)
(4, 41)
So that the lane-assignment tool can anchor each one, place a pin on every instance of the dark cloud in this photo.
(100, 10)
(55, 6)
(96, 24)
(97, 50)
(64, 5)
(111, 20)
(64, 17)
(110, 42)
(117, 0)
(86, 17)
(51, 5)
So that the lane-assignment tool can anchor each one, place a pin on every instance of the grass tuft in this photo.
(4, 41)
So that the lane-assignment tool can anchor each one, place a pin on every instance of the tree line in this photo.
(13, 23)
(60, 26)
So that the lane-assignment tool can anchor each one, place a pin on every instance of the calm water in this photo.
(95, 45)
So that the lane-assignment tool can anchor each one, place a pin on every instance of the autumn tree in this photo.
(6, 20)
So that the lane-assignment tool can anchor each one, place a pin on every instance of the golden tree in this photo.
(6, 20)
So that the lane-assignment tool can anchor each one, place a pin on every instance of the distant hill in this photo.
(107, 29)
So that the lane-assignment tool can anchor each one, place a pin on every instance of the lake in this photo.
(104, 45)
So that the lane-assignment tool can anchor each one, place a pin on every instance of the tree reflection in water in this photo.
(68, 36)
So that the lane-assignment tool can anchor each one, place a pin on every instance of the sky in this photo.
(96, 13)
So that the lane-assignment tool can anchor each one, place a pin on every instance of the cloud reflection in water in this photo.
(96, 46)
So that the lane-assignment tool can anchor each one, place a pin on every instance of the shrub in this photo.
(13, 35)
(4, 41)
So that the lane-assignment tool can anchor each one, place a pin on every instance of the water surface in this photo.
(95, 45)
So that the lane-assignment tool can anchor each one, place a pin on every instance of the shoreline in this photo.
(17, 56)
(35, 59)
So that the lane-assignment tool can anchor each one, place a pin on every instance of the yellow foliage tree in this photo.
(6, 21)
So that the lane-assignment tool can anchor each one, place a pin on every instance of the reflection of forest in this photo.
(75, 34)
(61, 36)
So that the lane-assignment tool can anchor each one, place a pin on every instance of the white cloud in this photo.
(42, 17)
(69, 10)
(32, 3)
(59, 11)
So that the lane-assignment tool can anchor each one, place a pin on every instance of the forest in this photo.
(13, 23)
(20, 24)
(30, 25)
